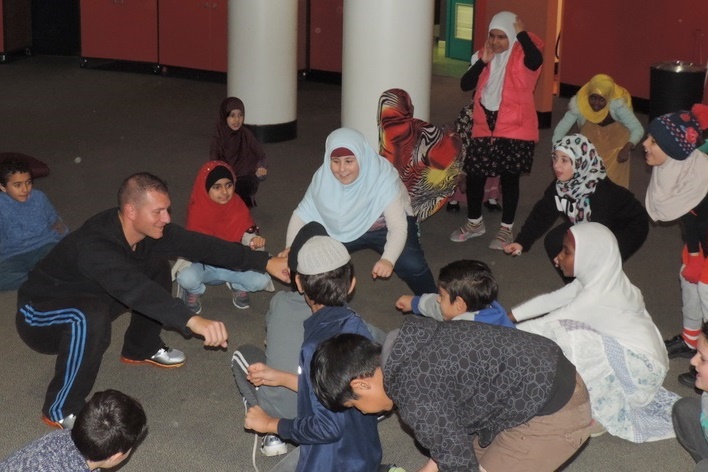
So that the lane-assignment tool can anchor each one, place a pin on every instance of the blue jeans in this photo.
(196, 277)
(411, 266)
(14, 270)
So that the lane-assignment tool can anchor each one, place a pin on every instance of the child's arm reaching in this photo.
(261, 374)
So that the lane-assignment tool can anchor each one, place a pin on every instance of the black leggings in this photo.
(510, 195)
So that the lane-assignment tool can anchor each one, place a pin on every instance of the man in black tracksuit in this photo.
(118, 260)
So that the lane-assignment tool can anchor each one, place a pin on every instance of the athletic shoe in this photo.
(452, 207)
(467, 231)
(239, 367)
(677, 347)
(596, 429)
(240, 299)
(502, 239)
(272, 445)
(192, 300)
(65, 423)
(165, 357)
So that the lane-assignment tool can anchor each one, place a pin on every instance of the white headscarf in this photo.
(607, 300)
(491, 93)
(348, 211)
(676, 187)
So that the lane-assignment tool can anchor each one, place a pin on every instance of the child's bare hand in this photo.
(382, 269)
(404, 303)
(284, 252)
(259, 421)
(519, 25)
(261, 374)
(487, 53)
(257, 242)
(515, 249)
(261, 172)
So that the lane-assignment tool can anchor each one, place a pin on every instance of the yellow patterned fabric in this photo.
(605, 86)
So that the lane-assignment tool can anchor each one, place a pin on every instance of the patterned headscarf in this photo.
(604, 86)
(587, 170)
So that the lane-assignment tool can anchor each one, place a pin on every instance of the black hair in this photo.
(110, 423)
(329, 288)
(13, 166)
(704, 329)
(470, 280)
(339, 360)
(134, 188)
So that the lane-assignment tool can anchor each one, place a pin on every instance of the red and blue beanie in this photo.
(677, 134)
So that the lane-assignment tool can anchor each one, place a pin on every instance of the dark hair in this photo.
(13, 166)
(134, 188)
(110, 423)
(329, 288)
(470, 280)
(704, 329)
(339, 360)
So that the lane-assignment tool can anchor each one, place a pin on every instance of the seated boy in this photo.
(477, 396)
(29, 224)
(690, 414)
(345, 440)
(105, 432)
(467, 290)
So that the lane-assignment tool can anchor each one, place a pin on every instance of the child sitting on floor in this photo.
(214, 209)
(29, 225)
(467, 290)
(690, 414)
(105, 432)
(328, 440)
(601, 323)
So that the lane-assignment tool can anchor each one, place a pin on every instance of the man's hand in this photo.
(259, 421)
(404, 303)
(213, 332)
(278, 268)
(261, 374)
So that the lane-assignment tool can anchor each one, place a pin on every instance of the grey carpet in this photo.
(123, 122)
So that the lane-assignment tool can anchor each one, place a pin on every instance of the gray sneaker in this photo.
(272, 445)
(165, 357)
(241, 300)
(502, 239)
(192, 300)
(467, 231)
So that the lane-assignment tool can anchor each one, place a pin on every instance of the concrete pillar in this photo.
(262, 67)
(386, 44)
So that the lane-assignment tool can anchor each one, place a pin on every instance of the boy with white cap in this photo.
(328, 440)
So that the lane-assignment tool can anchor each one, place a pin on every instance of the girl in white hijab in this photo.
(505, 126)
(361, 201)
(602, 325)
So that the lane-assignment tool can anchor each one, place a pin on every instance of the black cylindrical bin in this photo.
(675, 86)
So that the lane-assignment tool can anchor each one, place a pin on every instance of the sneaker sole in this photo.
(242, 307)
(125, 360)
(52, 424)
(275, 451)
(462, 240)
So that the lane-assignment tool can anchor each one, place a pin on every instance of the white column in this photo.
(387, 44)
(262, 67)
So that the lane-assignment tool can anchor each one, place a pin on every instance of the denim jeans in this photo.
(14, 270)
(196, 277)
(411, 266)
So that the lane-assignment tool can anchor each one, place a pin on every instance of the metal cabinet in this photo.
(15, 27)
(194, 34)
(119, 29)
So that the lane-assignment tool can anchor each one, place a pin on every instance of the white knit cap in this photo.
(321, 254)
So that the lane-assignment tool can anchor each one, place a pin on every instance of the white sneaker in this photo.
(272, 445)
(503, 238)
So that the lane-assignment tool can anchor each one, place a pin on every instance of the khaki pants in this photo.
(544, 443)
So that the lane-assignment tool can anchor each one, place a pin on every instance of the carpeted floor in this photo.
(121, 122)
